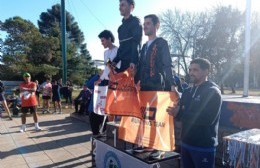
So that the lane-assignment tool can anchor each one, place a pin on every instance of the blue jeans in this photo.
(196, 158)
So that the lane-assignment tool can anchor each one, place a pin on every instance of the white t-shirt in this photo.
(46, 89)
(148, 43)
(109, 54)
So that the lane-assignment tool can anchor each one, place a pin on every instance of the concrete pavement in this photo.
(63, 142)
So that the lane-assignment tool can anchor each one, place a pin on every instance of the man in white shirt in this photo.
(107, 40)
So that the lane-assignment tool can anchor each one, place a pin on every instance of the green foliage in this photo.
(222, 42)
(38, 51)
(215, 35)
(78, 57)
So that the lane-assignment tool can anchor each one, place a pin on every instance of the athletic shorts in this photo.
(46, 97)
(37, 93)
(31, 108)
(56, 98)
(2, 97)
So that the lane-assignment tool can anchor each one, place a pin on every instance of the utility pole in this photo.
(247, 48)
(63, 42)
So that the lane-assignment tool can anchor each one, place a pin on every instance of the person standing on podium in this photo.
(130, 36)
(154, 66)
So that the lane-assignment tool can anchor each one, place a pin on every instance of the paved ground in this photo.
(63, 142)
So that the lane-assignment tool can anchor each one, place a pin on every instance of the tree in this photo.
(222, 42)
(38, 51)
(18, 52)
(181, 30)
(78, 57)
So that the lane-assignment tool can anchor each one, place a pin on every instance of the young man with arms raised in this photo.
(29, 101)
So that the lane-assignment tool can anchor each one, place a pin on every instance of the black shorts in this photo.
(56, 98)
(31, 108)
(37, 93)
(2, 97)
(46, 97)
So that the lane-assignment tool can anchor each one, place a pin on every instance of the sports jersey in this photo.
(28, 97)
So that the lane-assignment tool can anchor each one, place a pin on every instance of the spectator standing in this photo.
(184, 84)
(28, 101)
(199, 113)
(56, 98)
(68, 93)
(38, 92)
(46, 88)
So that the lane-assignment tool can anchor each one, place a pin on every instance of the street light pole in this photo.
(63, 42)
(247, 48)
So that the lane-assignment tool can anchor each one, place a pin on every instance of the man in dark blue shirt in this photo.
(199, 113)
(130, 36)
(83, 99)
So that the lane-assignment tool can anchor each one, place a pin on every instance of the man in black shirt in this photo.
(130, 36)
(154, 67)
(200, 108)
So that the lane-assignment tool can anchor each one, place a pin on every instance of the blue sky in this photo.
(93, 16)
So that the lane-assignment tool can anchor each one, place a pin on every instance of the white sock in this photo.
(23, 127)
(36, 125)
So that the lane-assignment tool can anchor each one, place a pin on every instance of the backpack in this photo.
(2, 87)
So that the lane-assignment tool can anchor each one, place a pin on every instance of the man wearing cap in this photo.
(29, 101)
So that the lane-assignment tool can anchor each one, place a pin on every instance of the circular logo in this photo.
(111, 160)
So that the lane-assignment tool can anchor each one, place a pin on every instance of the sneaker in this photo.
(60, 112)
(23, 129)
(43, 111)
(156, 154)
(10, 118)
(37, 128)
(139, 149)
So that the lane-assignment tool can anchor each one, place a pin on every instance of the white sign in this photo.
(99, 99)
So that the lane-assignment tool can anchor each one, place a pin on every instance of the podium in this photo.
(110, 151)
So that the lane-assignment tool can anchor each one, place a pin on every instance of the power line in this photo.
(72, 8)
(93, 14)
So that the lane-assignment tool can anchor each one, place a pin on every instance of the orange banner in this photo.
(156, 130)
(122, 96)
